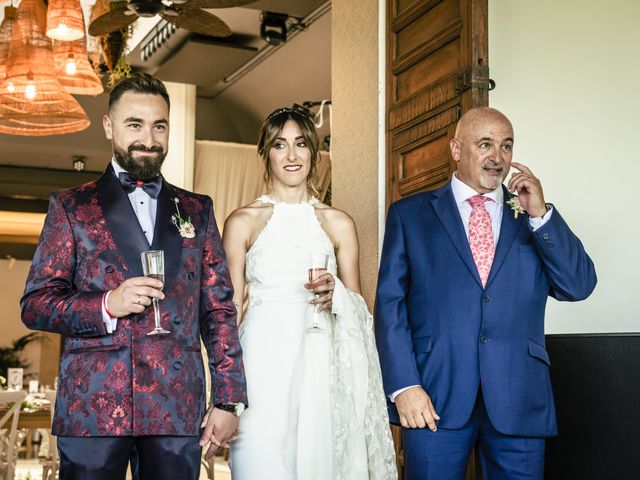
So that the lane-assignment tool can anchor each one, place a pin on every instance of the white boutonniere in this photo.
(185, 227)
(514, 203)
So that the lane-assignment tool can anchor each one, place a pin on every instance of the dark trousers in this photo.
(444, 454)
(106, 458)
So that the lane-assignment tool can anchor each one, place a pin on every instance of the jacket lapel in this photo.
(165, 235)
(509, 227)
(447, 210)
(122, 221)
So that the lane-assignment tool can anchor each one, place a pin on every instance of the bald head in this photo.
(482, 148)
(476, 118)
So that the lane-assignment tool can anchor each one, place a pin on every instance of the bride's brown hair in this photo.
(272, 128)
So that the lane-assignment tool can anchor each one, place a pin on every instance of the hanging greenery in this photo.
(121, 70)
(111, 51)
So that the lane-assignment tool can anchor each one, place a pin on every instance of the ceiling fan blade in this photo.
(197, 20)
(219, 3)
(111, 22)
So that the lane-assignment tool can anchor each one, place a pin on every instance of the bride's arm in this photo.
(343, 233)
(235, 241)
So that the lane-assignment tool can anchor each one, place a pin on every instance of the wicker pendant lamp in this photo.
(65, 20)
(5, 38)
(72, 67)
(32, 101)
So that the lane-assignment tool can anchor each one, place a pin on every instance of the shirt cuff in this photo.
(538, 222)
(393, 396)
(110, 322)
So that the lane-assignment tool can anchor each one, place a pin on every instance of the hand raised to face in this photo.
(529, 190)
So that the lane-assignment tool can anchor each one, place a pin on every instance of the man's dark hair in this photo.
(138, 83)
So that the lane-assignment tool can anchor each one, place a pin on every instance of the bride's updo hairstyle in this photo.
(271, 130)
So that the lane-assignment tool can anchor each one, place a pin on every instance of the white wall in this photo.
(567, 76)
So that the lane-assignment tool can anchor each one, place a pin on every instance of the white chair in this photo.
(51, 464)
(9, 440)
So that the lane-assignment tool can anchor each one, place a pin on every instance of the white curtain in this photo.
(232, 174)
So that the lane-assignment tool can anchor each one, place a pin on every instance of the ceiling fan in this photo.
(187, 14)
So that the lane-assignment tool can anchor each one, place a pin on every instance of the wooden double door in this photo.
(437, 68)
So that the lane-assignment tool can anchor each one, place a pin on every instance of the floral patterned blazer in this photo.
(128, 383)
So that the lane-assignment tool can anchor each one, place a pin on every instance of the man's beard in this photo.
(144, 168)
(490, 182)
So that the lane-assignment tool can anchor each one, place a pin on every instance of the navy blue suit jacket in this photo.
(436, 326)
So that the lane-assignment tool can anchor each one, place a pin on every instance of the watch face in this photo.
(235, 408)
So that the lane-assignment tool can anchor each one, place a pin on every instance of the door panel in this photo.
(428, 26)
(444, 61)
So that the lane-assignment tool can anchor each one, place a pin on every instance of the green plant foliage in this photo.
(10, 356)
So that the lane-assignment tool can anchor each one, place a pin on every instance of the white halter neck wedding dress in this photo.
(316, 404)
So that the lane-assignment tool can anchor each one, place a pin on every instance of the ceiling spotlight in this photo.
(273, 28)
(79, 162)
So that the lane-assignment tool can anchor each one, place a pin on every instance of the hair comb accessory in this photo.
(296, 109)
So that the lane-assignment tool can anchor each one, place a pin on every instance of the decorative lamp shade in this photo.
(64, 20)
(5, 38)
(73, 70)
(32, 101)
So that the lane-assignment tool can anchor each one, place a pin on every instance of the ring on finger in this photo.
(139, 301)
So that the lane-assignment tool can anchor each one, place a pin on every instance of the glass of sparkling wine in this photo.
(318, 267)
(153, 266)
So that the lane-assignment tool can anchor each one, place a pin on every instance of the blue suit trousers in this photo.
(152, 458)
(444, 454)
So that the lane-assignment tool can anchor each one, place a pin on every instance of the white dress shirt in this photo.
(144, 206)
(461, 193)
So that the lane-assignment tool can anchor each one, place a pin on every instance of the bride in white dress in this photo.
(316, 404)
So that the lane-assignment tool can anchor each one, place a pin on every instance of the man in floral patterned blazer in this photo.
(122, 393)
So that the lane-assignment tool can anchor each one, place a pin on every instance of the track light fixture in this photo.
(273, 27)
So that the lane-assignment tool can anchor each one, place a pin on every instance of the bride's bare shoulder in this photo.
(332, 214)
(337, 222)
(249, 216)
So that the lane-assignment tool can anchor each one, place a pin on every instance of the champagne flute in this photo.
(318, 267)
(153, 266)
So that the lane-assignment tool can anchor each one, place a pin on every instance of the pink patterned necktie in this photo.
(481, 237)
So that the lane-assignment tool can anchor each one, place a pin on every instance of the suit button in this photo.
(545, 236)
(177, 320)
(177, 365)
(484, 339)
(486, 298)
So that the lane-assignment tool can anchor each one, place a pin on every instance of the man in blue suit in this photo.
(464, 279)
